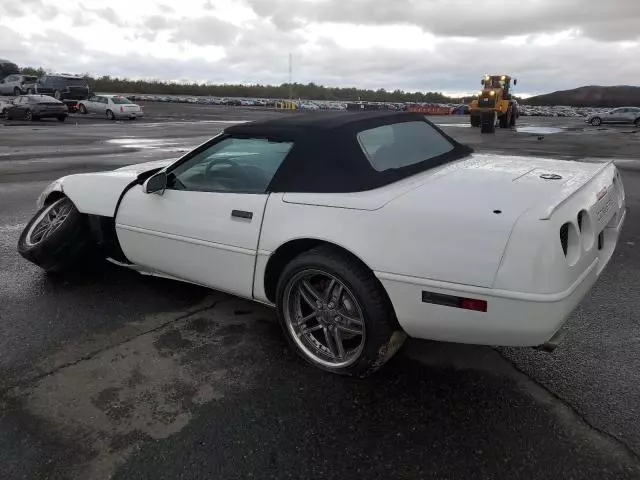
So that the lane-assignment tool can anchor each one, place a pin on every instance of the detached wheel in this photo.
(57, 238)
(335, 314)
(110, 115)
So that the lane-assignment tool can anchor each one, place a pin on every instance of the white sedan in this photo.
(111, 106)
(360, 228)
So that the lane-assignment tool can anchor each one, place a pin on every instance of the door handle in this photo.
(242, 214)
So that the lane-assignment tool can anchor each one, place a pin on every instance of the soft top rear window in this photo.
(399, 145)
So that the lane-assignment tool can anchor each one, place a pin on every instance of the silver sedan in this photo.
(628, 115)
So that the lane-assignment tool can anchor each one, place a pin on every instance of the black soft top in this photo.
(326, 155)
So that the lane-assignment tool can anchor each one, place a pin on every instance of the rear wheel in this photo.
(596, 121)
(82, 109)
(637, 122)
(17, 92)
(335, 314)
(505, 119)
(514, 117)
(28, 115)
(110, 115)
(56, 238)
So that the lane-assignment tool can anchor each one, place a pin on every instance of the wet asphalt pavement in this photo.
(108, 374)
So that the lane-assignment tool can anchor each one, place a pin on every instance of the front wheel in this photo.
(335, 314)
(28, 115)
(110, 115)
(596, 121)
(57, 238)
(82, 109)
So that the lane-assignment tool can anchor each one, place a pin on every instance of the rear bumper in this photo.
(129, 114)
(512, 318)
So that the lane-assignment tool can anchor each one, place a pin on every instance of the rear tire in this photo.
(505, 119)
(82, 109)
(356, 296)
(64, 245)
(28, 115)
(596, 121)
(110, 115)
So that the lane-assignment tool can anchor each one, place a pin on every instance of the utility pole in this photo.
(290, 85)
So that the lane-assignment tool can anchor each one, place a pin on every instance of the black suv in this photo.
(61, 87)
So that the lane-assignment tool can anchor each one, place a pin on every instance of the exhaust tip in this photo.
(551, 344)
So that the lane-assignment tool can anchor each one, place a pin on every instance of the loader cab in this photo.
(499, 82)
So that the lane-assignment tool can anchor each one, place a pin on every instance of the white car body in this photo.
(101, 104)
(15, 84)
(485, 227)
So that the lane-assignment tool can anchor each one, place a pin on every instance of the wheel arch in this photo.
(286, 252)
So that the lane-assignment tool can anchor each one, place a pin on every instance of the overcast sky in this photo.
(437, 45)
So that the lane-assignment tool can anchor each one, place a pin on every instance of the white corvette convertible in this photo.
(360, 227)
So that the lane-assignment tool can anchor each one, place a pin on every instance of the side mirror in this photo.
(156, 184)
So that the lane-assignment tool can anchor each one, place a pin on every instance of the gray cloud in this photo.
(204, 31)
(44, 10)
(165, 8)
(610, 20)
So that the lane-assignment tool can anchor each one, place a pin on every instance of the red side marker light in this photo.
(473, 304)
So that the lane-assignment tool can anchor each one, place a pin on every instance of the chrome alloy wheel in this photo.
(49, 221)
(324, 318)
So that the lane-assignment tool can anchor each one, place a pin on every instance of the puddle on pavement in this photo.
(540, 130)
(149, 144)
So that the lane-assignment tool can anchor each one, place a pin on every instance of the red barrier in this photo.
(430, 110)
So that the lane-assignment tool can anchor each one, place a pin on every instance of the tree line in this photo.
(309, 91)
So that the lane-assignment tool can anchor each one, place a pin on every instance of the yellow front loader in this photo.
(495, 104)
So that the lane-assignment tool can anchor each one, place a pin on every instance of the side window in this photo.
(104, 100)
(239, 165)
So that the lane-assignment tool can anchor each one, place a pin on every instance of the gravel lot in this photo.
(108, 374)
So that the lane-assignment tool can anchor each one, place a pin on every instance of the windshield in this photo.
(401, 144)
(120, 100)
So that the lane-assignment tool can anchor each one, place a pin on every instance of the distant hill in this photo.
(591, 96)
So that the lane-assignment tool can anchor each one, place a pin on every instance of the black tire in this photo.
(3, 114)
(505, 119)
(383, 335)
(475, 120)
(28, 115)
(110, 115)
(637, 122)
(596, 121)
(61, 118)
(82, 109)
(17, 92)
(65, 248)
(514, 117)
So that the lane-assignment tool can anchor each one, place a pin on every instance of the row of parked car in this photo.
(61, 87)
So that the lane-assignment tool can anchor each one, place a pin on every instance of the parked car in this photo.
(62, 87)
(360, 228)
(5, 104)
(630, 115)
(111, 106)
(35, 107)
(14, 84)
(7, 68)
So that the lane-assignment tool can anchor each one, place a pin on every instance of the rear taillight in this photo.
(453, 301)
(473, 304)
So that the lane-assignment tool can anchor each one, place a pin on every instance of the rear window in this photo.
(401, 144)
(120, 100)
(76, 82)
